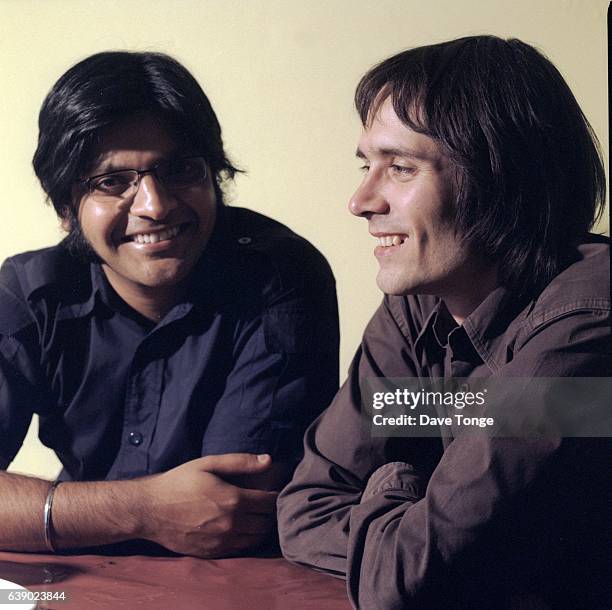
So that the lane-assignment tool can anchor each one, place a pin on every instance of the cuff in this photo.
(394, 476)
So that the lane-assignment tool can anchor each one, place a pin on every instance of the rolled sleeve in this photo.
(394, 476)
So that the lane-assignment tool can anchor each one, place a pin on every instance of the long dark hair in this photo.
(529, 171)
(109, 87)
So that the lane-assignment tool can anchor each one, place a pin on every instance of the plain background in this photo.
(281, 76)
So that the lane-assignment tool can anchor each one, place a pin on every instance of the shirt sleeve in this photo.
(16, 403)
(402, 537)
(340, 456)
(19, 390)
(284, 371)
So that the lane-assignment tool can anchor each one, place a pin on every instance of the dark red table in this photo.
(102, 582)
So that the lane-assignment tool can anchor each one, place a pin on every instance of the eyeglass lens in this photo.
(172, 174)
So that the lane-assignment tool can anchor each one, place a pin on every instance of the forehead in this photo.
(385, 133)
(144, 136)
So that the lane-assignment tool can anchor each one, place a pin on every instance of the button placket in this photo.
(141, 407)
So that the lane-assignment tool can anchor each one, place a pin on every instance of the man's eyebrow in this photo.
(408, 153)
(106, 166)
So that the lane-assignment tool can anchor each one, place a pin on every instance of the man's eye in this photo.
(111, 184)
(106, 183)
(402, 170)
(364, 168)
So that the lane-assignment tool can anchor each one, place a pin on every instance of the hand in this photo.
(193, 510)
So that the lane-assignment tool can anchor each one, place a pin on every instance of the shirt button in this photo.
(135, 438)
(244, 240)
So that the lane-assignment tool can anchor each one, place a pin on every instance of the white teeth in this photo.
(153, 238)
(391, 240)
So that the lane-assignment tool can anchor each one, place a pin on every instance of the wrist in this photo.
(96, 513)
(48, 531)
(142, 492)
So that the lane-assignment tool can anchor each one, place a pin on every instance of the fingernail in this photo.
(263, 457)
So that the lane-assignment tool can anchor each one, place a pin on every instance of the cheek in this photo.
(98, 221)
(205, 207)
(90, 212)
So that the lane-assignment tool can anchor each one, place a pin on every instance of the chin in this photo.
(393, 286)
(165, 277)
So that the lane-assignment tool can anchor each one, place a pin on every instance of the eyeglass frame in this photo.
(86, 182)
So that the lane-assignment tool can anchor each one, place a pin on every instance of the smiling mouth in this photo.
(386, 241)
(156, 236)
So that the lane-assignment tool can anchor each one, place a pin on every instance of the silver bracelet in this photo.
(48, 522)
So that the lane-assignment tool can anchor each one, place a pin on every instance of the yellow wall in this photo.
(281, 75)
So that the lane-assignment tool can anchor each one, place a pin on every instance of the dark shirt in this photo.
(242, 363)
(474, 520)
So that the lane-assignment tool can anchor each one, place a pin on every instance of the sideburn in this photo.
(76, 243)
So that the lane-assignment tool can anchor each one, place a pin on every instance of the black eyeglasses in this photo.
(174, 174)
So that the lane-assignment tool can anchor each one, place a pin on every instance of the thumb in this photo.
(229, 464)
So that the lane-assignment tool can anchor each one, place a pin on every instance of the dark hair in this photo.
(106, 88)
(529, 172)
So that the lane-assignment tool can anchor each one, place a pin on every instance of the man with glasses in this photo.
(172, 346)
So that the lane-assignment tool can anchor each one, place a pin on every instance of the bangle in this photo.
(48, 521)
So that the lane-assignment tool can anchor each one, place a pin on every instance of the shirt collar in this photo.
(205, 275)
(484, 327)
(74, 285)
(442, 325)
(488, 323)
(101, 290)
(206, 281)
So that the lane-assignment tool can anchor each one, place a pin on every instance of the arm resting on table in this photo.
(494, 510)
(190, 509)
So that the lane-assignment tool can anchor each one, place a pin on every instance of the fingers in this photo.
(259, 502)
(230, 464)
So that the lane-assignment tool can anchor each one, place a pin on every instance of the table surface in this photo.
(137, 581)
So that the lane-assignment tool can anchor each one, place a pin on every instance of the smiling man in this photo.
(172, 347)
(148, 227)
(408, 198)
(481, 181)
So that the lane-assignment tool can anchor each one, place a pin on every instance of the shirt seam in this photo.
(595, 306)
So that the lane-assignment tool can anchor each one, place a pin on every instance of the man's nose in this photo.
(152, 200)
(368, 199)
